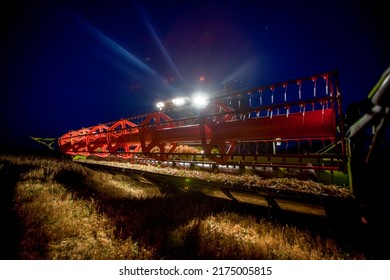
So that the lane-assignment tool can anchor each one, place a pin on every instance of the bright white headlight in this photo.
(199, 100)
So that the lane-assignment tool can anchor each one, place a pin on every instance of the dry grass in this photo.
(58, 224)
(66, 211)
(244, 238)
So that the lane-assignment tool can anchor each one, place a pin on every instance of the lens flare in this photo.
(131, 58)
(160, 45)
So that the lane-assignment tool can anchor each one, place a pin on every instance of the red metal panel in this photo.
(183, 135)
(312, 124)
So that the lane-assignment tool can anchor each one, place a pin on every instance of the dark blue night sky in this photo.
(72, 64)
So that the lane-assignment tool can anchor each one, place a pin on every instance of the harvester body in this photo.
(294, 126)
(294, 129)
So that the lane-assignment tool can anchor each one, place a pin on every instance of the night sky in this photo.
(73, 64)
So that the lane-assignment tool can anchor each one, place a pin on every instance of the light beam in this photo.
(160, 45)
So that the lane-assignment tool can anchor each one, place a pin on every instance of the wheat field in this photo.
(55, 208)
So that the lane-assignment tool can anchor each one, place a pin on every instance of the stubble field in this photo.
(54, 208)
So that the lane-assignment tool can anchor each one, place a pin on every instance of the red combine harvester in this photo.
(271, 126)
(292, 129)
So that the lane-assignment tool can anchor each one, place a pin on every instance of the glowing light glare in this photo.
(159, 44)
(122, 51)
(199, 100)
(178, 101)
(160, 105)
(128, 56)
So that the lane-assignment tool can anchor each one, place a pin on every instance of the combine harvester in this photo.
(284, 146)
